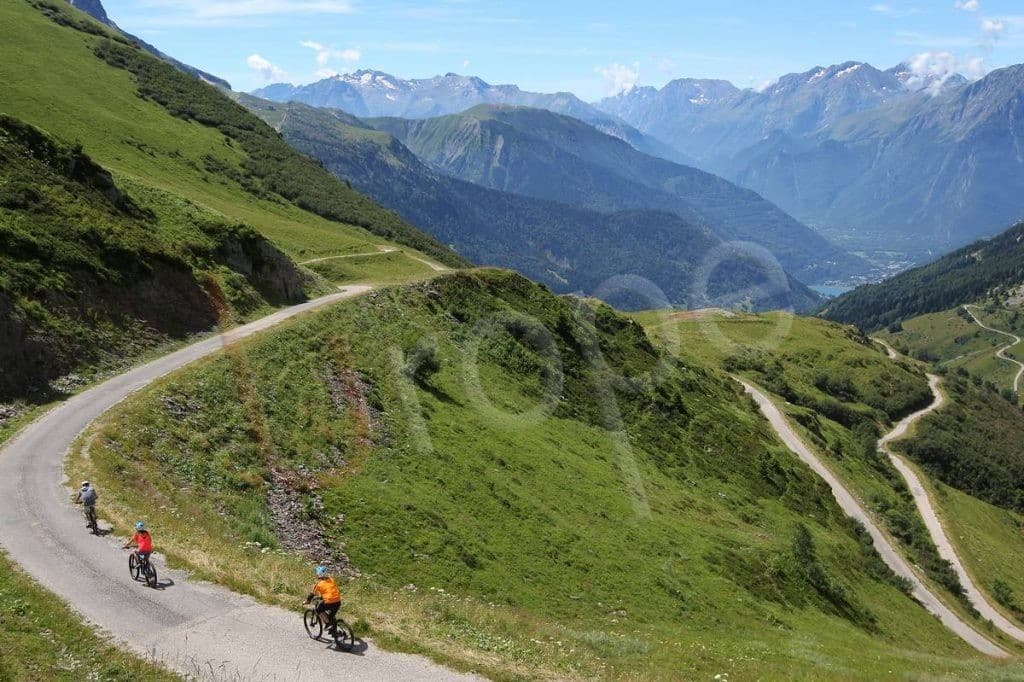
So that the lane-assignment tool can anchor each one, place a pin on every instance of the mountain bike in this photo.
(344, 640)
(141, 569)
(90, 517)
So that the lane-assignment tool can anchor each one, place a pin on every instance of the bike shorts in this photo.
(329, 609)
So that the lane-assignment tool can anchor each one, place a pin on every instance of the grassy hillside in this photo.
(986, 268)
(838, 388)
(150, 123)
(827, 375)
(91, 278)
(524, 485)
(976, 444)
(991, 540)
(952, 340)
(569, 249)
(136, 205)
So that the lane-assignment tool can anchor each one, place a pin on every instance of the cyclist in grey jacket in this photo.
(87, 497)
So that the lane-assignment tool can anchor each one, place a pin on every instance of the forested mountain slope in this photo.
(964, 276)
(549, 156)
(569, 249)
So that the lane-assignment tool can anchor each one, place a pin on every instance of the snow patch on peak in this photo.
(848, 71)
(818, 75)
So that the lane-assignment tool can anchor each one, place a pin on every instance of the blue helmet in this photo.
(139, 525)
(321, 571)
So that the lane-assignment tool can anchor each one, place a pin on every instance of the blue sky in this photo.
(592, 48)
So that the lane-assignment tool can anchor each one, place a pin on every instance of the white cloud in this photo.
(267, 70)
(667, 66)
(931, 70)
(992, 28)
(968, 5)
(764, 85)
(974, 67)
(619, 78)
(465, 63)
(895, 12)
(325, 54)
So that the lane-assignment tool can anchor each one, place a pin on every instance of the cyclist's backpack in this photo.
(89, 497)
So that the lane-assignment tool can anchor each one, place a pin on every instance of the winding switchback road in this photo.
(926, 509)
(197, 629)
(1001, 353)
(889, 553)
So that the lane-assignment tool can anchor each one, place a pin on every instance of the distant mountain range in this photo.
(549, 156)
(568, 248)
(374, 93)
(713, 120)
(875, 159)
(901, 160)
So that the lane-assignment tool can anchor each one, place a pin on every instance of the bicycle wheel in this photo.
(314, 628)
(93, 523)
(344, 639)
(150, 574)
(133, 566)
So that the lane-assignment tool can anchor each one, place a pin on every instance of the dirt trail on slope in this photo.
(197, 629)
(1001, 353)
(926, 509)
(381, 250)
(889, 553)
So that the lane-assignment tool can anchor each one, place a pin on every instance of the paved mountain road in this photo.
(889, 553)
(197, 629)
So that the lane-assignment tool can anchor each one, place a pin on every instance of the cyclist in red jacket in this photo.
(142, 540)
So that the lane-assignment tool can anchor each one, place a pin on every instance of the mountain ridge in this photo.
(95, 9)
(555, 157)
(568, 248)
(370, 93)
(911, 159)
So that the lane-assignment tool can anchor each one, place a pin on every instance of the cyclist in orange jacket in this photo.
(330, 598)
